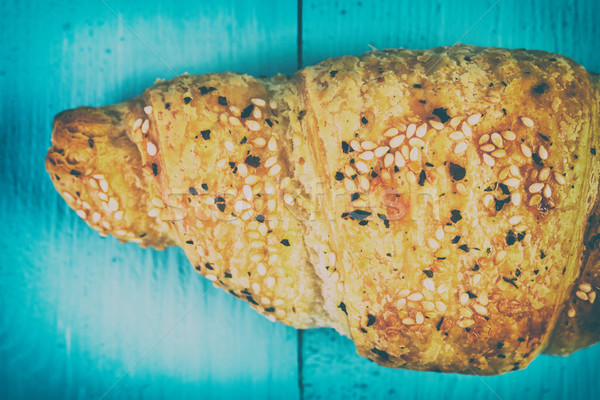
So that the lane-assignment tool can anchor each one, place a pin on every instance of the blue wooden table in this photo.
(85, 317)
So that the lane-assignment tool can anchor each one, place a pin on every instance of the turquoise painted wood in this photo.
(331, 369)
(84, 317)
(81, 315)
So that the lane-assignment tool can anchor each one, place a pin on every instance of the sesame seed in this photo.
(270, 282)
(247, 190)
(349, 185)
(592, 297)
(388, 160)
(241, 205)
(157, 202)
(536, 187)
(415, 297)
(270, 162)
(527, 122)
(509, 135)
(500, 256)
(261, 269)
(364, 182)
(454, 122)
(414, 154)
(474, 119)
(421, 130)
(391, 132)
(516, 199)
(456, 135)
(269, 188)
(525, 150)
(439, 233)
(559, 178)
(242, 169)
(547, 191)
(544, 174)
(275, 169)
(479, 309)
(543, 153)
(362, 167)
(441, 307)
(484, 138)
(419, 318)
(408, 321)
(103, 196)
(397, 141)
(251, 180)
(151, 148)
(416, 142)
(442, 253)
(411, 177)
(515, 219)
(259, 142)
(153, 212)
(533, 174)
(535, 200)
(273, 105)
(497, 139)
(466, 129)
(113, 205)
(229, 145)
(271, 205)
(288, 199)
(504, 173)
(272, 146)
(488, 160)
(259, 102)
(145, 126)
(514, 171)
(368, 145)
(436, 124)
(405, 151)
(148, 110)
(81, 214)
(234, 121)
(571, 313)
(253, 125)
(410, 130)
(103, 185)
(367, 155)
(137, 123)
(349, 170)
(429, 285)
(460, 148)
(487, 200)
(96, 217)
(585, 287)
(381, 150)
(235, 111)
(433, 244)
(256, 113)
(583, 296)
(464, 298)
(118, 215)
(488, 148)
(223, 117)
(355, 145)
(499, 153)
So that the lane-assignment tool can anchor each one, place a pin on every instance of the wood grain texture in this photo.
(330, 368)
(77, 312)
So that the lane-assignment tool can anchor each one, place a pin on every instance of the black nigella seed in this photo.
(247, 111)
(253, 161)
(384, 355)
(260, 218)
(269, 122)
(342, 307)
(204, 186)
(455, 216)
(222, 100)
(359, 214)
(209, 266)
(189, 241)
(339, 176)
(193, 191)
(285, 242)
(464, 248)
(416, 85)
(511, 238)
(345, 147)
(471, 295)
(333, 73)
(370, 320)
(456, 171)
(456, 239)
(354, 196)
(155, 169)
(75, 172)
(442, 114)
(91, 143)
(428, 272)
(422, 177)
(364, 120)
(187, 100)
(205, 134)
(541, 88)
(593, 151)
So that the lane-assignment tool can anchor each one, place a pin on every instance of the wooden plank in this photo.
(78, 312)
(331, 369)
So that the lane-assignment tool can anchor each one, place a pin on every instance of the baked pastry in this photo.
(439, 207)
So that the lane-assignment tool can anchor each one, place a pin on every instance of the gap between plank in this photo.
(299, 335)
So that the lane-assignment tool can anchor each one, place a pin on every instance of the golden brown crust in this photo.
(414, 200)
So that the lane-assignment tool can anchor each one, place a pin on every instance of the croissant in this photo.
(439, 207)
